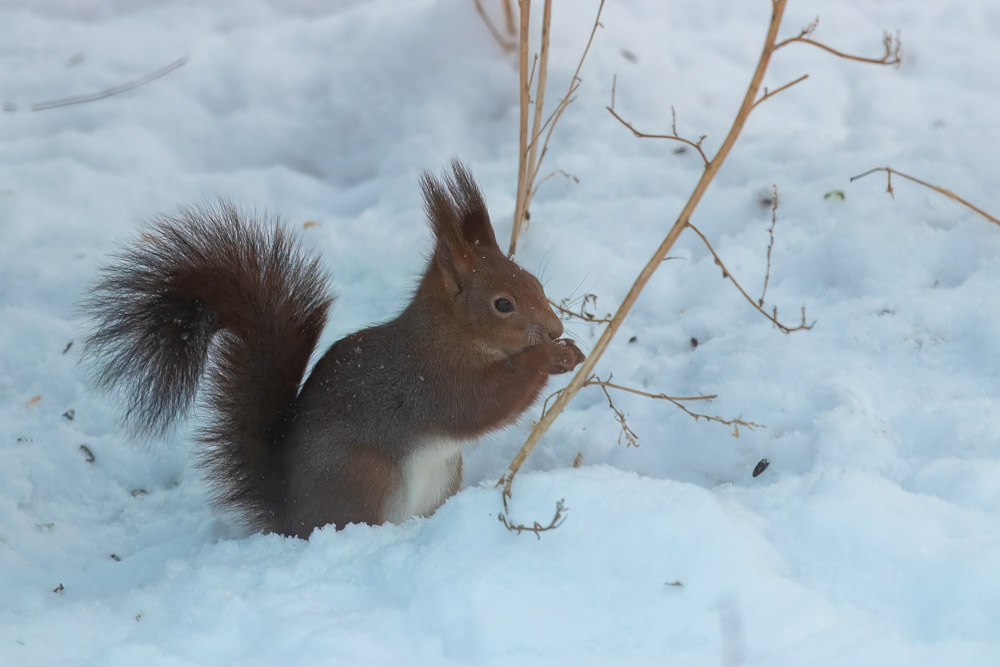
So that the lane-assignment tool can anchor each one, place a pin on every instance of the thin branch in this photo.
(530, 155)
(109, 92)
(563, 309)
(892, 45)
(947, 193)
(506, 45)
(712, 167)
(508, 15)
(520, 204)
(543, 71)
(676, 400)
(587, 367)
(630, 437)
(758, 307)
(531, 75)
(673, 137)
(545, 405)
(770, 244)
(562, 172)
(573, 85)
(536, 528)
(772, 93)
(594, 380)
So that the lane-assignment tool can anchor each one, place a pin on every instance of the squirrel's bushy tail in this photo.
(156, 310)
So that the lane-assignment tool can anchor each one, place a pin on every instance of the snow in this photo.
(871, 539)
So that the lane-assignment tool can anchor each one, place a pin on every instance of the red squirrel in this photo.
(375, 433)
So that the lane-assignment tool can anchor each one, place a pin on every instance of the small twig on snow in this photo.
(81, 99)
(673, 137)
(759, 308)
(947, 193)
(536, 528)
(770, 244)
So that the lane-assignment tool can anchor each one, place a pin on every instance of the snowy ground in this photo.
(872, 539)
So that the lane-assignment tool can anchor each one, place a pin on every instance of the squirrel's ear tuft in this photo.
(457, 211)
(474, 219)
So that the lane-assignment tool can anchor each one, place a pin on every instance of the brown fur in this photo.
(382, 404)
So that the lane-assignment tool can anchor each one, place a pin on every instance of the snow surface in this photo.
(872, 539)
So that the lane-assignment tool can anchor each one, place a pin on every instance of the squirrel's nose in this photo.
(554, 327)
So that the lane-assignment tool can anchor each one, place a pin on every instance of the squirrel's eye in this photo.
(503, 305)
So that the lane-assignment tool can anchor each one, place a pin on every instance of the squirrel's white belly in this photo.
(431, 473)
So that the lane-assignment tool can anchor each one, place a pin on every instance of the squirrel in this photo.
(374, 434)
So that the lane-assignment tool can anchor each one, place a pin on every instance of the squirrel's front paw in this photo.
(564, 356)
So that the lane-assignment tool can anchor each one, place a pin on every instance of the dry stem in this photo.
(893, 47)
(536, 527)
(543, 70)
(673, 137)
(109, 92)
(771, 93)
(594, 380)
(530, 158)
(505, 44)
(508, 15)
(564, 310)
(586, 369)
(676, 400)
(630, 437)
(947, 193)
(555, 172)
(522, 158)
(758, 307)
(770, 244)
(711, 168)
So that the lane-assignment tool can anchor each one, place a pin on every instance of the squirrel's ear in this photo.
(473, 218)
(458, 214)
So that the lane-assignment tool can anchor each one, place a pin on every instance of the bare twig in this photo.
(109, 92)
(593, 380)
(508, 15)
(673, 137)
(536, 528)
(531, 75)
(772, 93)
(770, 244)
(947, 193)
(568, 98)
(711, 169)
(530, 155)
(892, 45)
(630, 437)
(543, 70)
(545, 404)
(505, 44)
(587, 367)
(556, 172)
(676, 400)
(564, 310)
(758, 307)
(522, 157)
